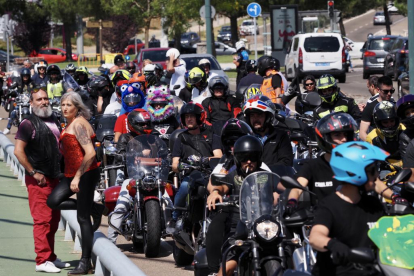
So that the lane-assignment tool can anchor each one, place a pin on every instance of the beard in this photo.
(42, 112)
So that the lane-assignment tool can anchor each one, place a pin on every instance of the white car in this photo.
(222, 49)
(316, 54)
(392, 8)
(247, 27)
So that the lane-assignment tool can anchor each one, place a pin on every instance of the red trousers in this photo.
(45, 220)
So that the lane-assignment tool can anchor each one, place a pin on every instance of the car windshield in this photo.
(379, 13)
(226, 29)
(191, 62)
(247, 23)
(380, 43)
(186, 36)
(158, 55)
(321, 44)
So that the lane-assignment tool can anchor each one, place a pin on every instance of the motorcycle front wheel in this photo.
(153, 231)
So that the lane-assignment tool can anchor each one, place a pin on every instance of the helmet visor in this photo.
(246, 156)
(132, 99)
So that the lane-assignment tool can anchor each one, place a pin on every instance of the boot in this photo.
(84, 267)
(96, 212)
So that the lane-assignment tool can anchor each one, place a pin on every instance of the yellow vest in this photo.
(54, 90)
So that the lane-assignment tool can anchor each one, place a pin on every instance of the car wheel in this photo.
(342, 79)
(286, 75)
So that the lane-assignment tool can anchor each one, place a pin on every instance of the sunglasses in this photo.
(386, 91)
(309, 84)
(244, 157)
(36, 89)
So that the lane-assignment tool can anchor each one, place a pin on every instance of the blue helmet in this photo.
(348, 161)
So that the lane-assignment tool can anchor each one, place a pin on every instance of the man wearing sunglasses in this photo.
(385, 90)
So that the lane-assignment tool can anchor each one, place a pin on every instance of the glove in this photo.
(397, 199)
(339, 252)
(291, 207)
(184, 169)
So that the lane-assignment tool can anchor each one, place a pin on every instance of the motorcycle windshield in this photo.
(104, 126)
(146, 156)
(248, 91)
(394, 236)
(23, 98)
(70, 82)
(178, 103)
(256, 196)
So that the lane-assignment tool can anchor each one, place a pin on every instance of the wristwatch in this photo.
(32, 172)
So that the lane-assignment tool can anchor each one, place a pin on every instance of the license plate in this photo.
(322, 64)
(380, 60)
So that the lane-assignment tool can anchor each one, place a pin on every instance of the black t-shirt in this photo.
(367, 112)
(250, 79)
(276, 81)
(320, 176)
(349, 224)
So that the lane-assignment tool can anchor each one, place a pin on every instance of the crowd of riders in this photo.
(247, 133)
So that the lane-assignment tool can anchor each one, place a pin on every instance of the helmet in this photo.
(96, 84)
(197, 75)
(402, 105)
(149, 72)
(42, 64)
(324, 82)
(308, 77)
(81, 71)
(246, 148)
(251, 92)
(139, 121)
(70, 68)
(140, 78)
(174, 52)
(120, 75)
(385, 110)
(159, 95)
(266, 62)
(53, 69)
(158, 69)
(218, 81)
(240, 44)
(232, 130)
(335, 122)
(25, 72)
(204, 62)
(251, 65)
(349, 160)
(130, 67)
(256, 105)
(118, 59)
(196, 109)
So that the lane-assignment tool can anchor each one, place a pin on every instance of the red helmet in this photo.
(139, 121)
(196, 109)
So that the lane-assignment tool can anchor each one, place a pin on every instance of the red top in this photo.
(73, 154)
(121, 124)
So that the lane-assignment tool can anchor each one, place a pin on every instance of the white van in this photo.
(316, 54)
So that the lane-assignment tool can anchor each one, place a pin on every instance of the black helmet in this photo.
(251, 65)
(158, 70)
(53, 69)
(139, 121)
(25, 72)
(130, 67)
(232, 130)
(266, 62)
(334, 122)
(97, 83)
(386, 110)
(247, 148)
(196, 109)
(70, 68)
(118, 58)
(218, 81)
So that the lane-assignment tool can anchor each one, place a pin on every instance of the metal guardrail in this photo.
(107, 258)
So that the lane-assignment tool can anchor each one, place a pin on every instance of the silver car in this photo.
(379, 18)
(191, 60)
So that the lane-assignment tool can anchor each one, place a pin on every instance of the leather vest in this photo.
(54, 90)
(199, 144)
(267, 87)
(43, 151)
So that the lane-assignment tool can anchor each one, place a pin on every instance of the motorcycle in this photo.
(22, 108)
(147, 166)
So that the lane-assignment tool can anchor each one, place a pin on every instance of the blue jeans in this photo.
(13, 115)
(179, 199)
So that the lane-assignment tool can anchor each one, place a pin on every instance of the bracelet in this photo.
(218, 191)
(384, 191)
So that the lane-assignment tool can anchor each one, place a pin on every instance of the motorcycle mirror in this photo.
(312, 99)
(361, 255)
(218, 179)
(280, 118)
(290, 183)
(176, 86)
(402, 176)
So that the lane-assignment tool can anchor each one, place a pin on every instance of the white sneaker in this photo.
(97, 197)
(6, 131)
(48, 267)
(59, 264)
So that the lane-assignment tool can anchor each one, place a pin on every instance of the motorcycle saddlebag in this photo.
(111, 196)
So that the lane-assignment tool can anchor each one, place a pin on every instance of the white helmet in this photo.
(203, 61)
(240, 44)
(149, 68)
(174, 52)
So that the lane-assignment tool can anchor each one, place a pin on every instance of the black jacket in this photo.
(342, 104)
(277, 148)
(220, 109)
(405, 137)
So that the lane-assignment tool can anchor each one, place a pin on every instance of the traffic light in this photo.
(331, 9)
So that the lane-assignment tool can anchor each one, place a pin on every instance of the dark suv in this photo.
(374, 54)
(224, 35)
(394, 62)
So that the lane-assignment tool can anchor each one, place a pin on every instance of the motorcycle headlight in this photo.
(267, 229)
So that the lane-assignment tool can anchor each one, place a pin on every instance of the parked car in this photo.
(222, 49)
(316, 54)
(379, 18)
(394, 62)
(374, 54)
(224, 34)
(54, 55)
(247, 27)
(156, 55)
(189, 39)
(191, 60)
(130, 49)
(392, 9)
(3, 55)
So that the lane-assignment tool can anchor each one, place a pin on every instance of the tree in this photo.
(116, 38)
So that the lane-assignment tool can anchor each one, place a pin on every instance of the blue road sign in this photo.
(254, 9)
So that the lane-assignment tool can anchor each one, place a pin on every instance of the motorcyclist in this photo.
(99, 94)
(40, 76)
(309, 85)
(55, 86)
(405, 111)
(220, 106)
(71, 69)
(388, 129)
(277, 148)
(274, 83)
(130, 67)
(197, 78)
(139, 122)
(119, 75)
(205, 64)
(150, 76)
(240, 60)
(81, 76)
(343, 218)
(251, 77)
(177, 68)
(160, 104)
(333, 100)
(196, 145)
(140, 78)
(119, 62)
(161, 77)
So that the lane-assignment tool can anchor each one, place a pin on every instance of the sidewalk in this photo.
(16, 231)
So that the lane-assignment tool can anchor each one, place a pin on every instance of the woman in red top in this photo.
(81, 176)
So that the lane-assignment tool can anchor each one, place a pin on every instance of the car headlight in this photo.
(267, 229)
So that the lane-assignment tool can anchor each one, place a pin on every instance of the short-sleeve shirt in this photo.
(178, 78)
(113, 108)
(368, 110)
(27, 132)
(121, 124)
